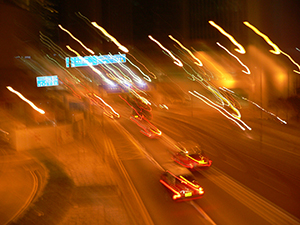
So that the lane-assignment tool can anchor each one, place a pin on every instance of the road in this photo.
(19, 184)
(254, 178)
(244, 185)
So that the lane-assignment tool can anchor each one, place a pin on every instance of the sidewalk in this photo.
(81, 188)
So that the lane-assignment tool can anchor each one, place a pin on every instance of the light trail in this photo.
(275, 47)
(221, 110)
(26, 100)
(240, 48)
(107, 105)
(121, 47)
(153, 75)
(91, 66)
(248, 71)
(176, 61)
(258, 106)
(86, 48)
(199, 63)
(223, 99)
(146, 77)
(276, 50)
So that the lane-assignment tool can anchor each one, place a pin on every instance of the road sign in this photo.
(94, 60)
(47, 81)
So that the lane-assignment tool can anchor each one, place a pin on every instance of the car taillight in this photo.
(176, 196)
(201, 191)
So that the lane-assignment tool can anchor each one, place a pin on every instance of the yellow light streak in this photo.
(25, 100)
(290, 58)
(240, 48)
(189, 182)
(221, 110)
(199, 63)
(111, 108)
(248, 71)
(198, 161)
(176, 61)
(121, 47)
(220, 96)
(276, 50)
(86, 48)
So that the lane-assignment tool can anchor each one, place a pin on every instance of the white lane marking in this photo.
(29, 199)
(258, 204)
(201, 211)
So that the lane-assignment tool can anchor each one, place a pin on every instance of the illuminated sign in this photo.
(47, 81)
(94, 60)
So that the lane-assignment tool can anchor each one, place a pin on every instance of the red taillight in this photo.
(176, 196)
(201, 191)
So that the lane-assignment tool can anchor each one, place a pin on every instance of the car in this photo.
(148, 129)
(190, 155)
(181, 183)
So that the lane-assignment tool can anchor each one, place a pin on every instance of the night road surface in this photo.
(244, 185)
(19, 185)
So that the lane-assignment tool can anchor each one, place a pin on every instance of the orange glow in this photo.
(25, 100)
(121, 47)
(248, 71)
(176, 61)
(240, 48)
(290, 58)
(199, 63)
(89, 50)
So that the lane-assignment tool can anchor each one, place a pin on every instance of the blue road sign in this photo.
(94, 60)
(47, 81)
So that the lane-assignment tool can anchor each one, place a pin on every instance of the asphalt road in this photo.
(254, 178)
(245, 185)
(19, 185)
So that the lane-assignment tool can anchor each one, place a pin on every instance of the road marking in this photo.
(201, 211)
(29, 199)
(169, 140)
(144, 213)
(137, 144)
(258, 204)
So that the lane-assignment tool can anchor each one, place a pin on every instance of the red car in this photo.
(181, 183)
(190, 155)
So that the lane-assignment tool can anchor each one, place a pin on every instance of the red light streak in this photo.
(176, 193)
